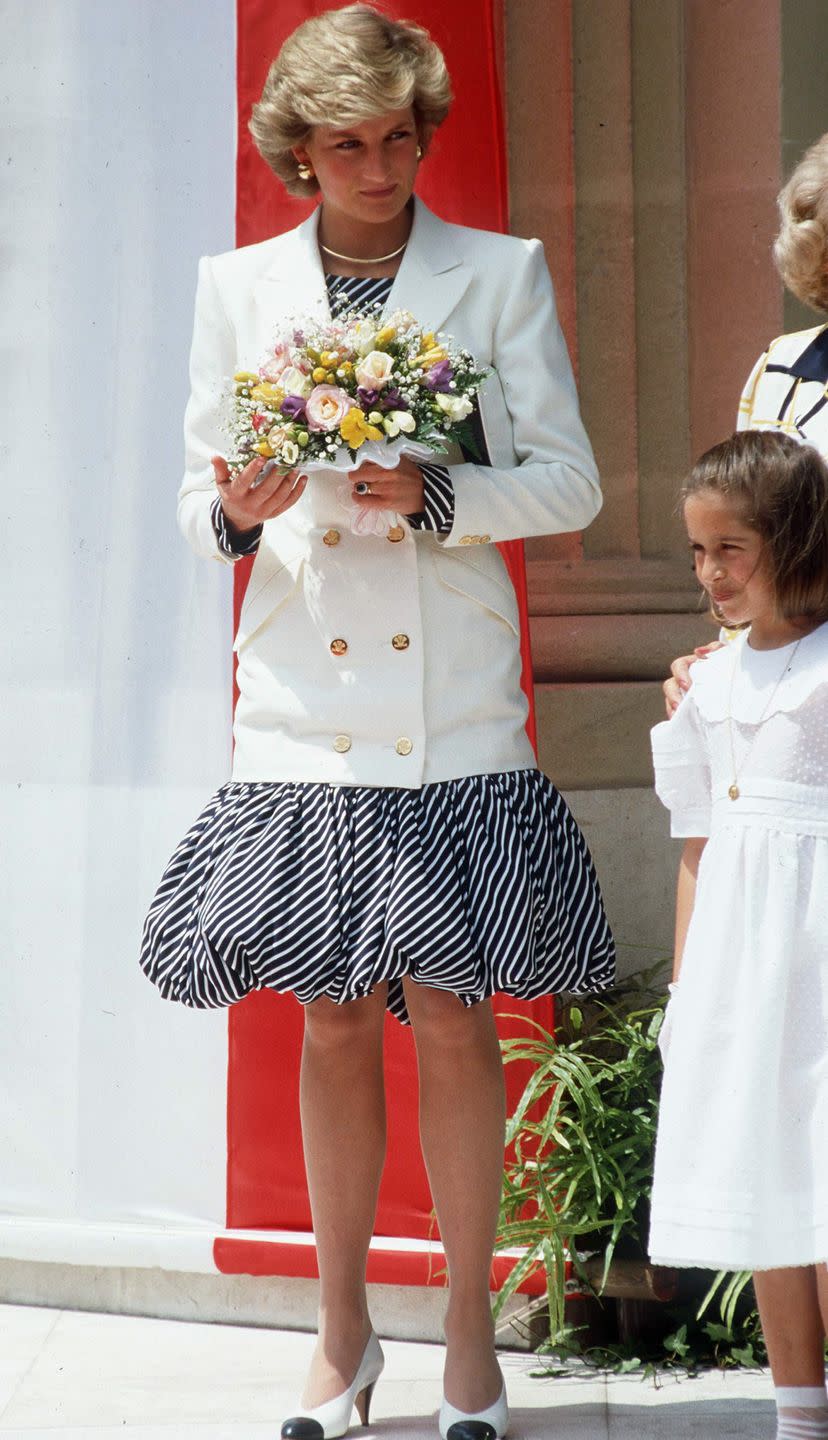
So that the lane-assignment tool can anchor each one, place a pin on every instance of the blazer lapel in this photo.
(432, 278)
(293, 288)
(430, 282)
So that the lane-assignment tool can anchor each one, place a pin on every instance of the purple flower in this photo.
(293, 407)
(368, 399)
(440, 377)
(298, 337)
(393, 400)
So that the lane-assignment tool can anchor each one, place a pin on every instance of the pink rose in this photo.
(326, 407)
(276, 362)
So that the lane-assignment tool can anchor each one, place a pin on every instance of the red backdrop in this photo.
(465, 180)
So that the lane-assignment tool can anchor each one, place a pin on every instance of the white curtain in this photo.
(119, 169)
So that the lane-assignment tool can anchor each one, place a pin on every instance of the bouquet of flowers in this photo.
(334, 393)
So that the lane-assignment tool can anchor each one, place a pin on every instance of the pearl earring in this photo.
(305, 172)
(419, 152)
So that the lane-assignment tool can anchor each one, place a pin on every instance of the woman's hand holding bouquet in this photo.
(258, 492)
(381, 392)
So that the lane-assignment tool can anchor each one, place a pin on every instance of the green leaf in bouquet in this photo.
(464, 434)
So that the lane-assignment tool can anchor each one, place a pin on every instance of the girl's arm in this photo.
(686, 895)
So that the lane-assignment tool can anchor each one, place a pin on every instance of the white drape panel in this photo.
(119, 171)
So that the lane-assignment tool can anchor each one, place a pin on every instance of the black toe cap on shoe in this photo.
(299, 1427)
(471, 1430)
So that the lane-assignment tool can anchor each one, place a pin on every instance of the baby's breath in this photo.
(386, 365)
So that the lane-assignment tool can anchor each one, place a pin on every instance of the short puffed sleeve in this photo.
(682, 770)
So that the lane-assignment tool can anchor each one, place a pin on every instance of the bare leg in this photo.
(793, 1326)
(343, 1133)
(462, 1120)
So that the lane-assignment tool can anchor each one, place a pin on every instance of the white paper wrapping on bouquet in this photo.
(364, 519)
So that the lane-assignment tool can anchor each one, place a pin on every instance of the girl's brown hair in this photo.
(781, 488)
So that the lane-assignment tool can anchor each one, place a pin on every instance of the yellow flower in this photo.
(430, 357)
(355, 429)
(269, 394)
(262, 448)
(318, 374)
(330, 359)
(385, 336)
(245, 377)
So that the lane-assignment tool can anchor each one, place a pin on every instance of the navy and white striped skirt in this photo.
(475, 885)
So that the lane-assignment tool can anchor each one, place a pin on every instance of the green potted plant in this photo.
(578, 1177)
(580, 1145)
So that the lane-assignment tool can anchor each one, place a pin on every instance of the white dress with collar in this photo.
(741, 1171)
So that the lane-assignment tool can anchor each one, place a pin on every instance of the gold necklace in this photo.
(358, 260)
(733, 789)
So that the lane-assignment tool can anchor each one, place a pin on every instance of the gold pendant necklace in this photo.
(733, 789)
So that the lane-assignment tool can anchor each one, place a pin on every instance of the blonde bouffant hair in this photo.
(340, 68)
(801, 248)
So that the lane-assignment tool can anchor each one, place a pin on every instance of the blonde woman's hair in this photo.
(340, 68)
(801, 248)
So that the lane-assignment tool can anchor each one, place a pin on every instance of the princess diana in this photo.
(386, 839)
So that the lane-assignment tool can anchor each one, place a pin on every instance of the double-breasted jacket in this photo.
(427, 684)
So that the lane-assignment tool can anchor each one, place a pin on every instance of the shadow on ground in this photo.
(735, 1419)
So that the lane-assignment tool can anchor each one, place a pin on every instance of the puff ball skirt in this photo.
(741, 1170)
(474, 885)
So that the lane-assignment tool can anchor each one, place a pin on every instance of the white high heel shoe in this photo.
(490, 1424)
(333, 1419)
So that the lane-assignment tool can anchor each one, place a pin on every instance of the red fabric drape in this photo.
(465, 180)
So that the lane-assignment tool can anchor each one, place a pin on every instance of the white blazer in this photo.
(429, 685)
(787, 389)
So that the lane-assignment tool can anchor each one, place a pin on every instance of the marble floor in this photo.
(69, 1374)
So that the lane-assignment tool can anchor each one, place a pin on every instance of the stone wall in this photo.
(645, 151)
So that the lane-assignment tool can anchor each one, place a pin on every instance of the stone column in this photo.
(637, 159)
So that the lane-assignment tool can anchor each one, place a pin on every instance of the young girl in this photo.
(741, 1172)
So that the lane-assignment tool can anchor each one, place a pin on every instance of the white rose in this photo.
(290, 452)
(293, 382)
(399, 420)
(373, 371)
(457, 407)
(365, 333)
